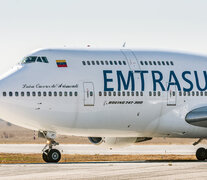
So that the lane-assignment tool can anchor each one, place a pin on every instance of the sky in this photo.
(174, 25)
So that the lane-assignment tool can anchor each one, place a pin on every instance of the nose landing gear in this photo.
(49, 154)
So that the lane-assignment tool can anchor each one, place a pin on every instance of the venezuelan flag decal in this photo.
(61, 63)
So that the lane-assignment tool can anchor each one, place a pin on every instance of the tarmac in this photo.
(95, 149)
(105, 170)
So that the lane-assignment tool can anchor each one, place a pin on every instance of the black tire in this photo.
(45, 155)
(201, 154)
(54, 156)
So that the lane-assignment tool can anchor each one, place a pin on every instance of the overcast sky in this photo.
(26, 25)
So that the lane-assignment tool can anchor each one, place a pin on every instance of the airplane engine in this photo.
(117, 141)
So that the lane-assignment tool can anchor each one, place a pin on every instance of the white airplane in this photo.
(114, 97)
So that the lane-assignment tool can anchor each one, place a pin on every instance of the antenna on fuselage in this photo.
(124, 45)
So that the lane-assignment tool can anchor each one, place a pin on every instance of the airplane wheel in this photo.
(54, 156)
(201, 154)
(45, 155)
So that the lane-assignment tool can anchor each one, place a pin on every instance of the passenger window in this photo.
(158, 93)
(184, 93)
(154, 93)
(84, 63)
(173, 93)
(150, 93)
(124, 62)
(71, 93)
(132, 93)
(193, 93)
(102, 63)
(88, 62)
(163, 63)
(111, 63)
(188, 93)
(65, 93)
(119, 93)
(44, 93)
(159, 63)
(141, 93)
(33, 93)
(97, 62)
(115, 62)
(16, 94)
(146, 63)
(93, 63)
(91, 93)
(105, 93)
(120, 63)
(206, 93)
(180, 93)
(22, 93)
(150, 62)
(201, 93)
(128, 93)
(10, 93)
(39, 59)
(106, 62)
(49, 93)
(137, 93)
(39, 93)
(4, 93)
(76, 93)
(28, 93)
(171, 63)
(55, 93)
(197, 93)
(154, 63)
(167, 63)
(123, 93)
(114, 93)
(100, 93)
(60, 93)
(141, 63)
(109, 93)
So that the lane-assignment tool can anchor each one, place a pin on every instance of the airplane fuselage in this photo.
(106, 93)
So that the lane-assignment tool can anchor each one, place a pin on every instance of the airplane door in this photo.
(131, 59)
(89, 97)
(171, 95)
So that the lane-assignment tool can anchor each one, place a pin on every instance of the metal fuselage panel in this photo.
(92, 114)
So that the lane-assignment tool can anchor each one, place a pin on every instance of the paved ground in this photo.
(105, 170)
(120, 170)
(93, 149)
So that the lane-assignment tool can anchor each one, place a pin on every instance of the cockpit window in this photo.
(33, 59)
(39, 59)
(44, 59)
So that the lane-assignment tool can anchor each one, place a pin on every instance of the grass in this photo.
(6, 158)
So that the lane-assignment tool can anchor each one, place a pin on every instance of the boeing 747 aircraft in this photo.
(113, 97)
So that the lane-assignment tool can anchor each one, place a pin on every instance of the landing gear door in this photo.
(131, 59)
(171, 95)
(89, 97)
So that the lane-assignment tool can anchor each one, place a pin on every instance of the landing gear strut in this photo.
(49, 154)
